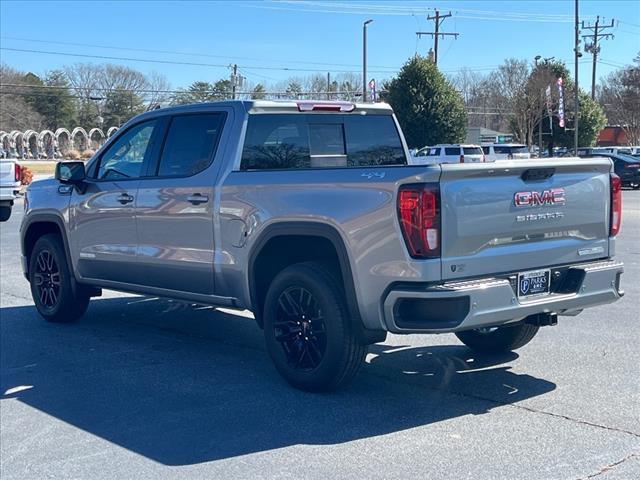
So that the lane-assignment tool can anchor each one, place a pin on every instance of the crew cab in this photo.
(307, 214)
(10, 173)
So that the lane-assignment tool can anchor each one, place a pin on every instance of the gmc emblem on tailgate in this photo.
(553, 196)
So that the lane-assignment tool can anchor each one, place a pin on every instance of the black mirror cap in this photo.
(71, 172)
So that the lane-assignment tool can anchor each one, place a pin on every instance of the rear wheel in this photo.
(50, 280)
(308, 331)
(498, 339)
(5, 213)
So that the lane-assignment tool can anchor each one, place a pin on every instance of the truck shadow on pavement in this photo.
(183, 385)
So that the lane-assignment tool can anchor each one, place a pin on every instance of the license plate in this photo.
(532, 283)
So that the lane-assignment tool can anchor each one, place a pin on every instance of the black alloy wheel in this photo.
(300, 328)
(47, 278)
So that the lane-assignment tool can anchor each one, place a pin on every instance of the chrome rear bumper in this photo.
(465, 305)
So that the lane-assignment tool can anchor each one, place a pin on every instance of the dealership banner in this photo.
(560, 102)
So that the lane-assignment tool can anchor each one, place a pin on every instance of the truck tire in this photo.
(500, 339)
(51, 282)
(308, 331)
(5, 213)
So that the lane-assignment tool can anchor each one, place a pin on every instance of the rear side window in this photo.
(452, 151)
(295, 141)
(190, 144)
(472, 150)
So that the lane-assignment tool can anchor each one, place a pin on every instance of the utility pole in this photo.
(594, 48)
(436, 34)
(364, 60)
(577, 55)
(234, 80)
(328, 85)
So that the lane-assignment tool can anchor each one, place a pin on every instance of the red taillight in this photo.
(18, 172)
(616, 205)
(461, 158)
(419, 214)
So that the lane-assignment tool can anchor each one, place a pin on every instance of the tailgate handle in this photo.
(533, 174)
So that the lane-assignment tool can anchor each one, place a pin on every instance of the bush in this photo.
(26, 176)
(73, 155)
(428, 107)
(87, 154)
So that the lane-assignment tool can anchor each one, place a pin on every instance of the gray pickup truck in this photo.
(307, 214)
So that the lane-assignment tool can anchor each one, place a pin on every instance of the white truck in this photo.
(10, 173)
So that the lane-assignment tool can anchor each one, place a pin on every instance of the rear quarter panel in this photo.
(360, 204)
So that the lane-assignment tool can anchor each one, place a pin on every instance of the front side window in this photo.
(295, 141)
(190, 144)
(486, 150)
(125, 158)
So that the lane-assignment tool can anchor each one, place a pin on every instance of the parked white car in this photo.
(9, 186)
(505, 151)
(448, 153)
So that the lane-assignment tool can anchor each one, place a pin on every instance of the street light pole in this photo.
(576, 98)
(364, 60)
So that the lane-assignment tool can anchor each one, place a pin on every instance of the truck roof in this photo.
(285, 106)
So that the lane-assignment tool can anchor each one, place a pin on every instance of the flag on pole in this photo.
(372, 89)
(549, 113)
(560, 102)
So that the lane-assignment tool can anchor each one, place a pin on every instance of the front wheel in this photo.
(50, 280)
(308, 331)
(498, 339)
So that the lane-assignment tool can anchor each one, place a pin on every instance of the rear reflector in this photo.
(419, 215)
(17, 172)
(310, 106)
(616, 205)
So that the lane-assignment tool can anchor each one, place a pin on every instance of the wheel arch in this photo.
(325, 238)
(39, 225)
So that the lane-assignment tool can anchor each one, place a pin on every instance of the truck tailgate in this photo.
(522, 215)
(7, 177)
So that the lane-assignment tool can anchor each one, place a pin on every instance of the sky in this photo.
(273, 40)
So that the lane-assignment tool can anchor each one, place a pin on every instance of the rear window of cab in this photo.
(299, 141)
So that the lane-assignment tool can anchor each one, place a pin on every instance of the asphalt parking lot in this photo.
(147, 388)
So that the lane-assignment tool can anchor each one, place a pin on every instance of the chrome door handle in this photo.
(197, 199)
(125, 198)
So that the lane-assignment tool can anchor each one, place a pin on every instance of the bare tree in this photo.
(620, 97)
(158, 87)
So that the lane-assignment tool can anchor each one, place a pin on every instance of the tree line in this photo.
(431, 107)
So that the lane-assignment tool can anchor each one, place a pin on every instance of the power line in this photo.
(190, 54)
(436, 34)
(171, 62)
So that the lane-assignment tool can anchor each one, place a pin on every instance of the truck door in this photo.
(102, 218)
(175, 206)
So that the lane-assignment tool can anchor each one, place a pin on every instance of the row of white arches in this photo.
(49, 144)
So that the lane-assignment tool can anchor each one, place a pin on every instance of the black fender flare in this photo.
(46, 218)
(328, 232)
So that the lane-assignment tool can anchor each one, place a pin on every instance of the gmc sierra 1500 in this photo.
(307, 214)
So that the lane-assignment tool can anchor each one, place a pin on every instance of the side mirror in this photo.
(71, 172)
